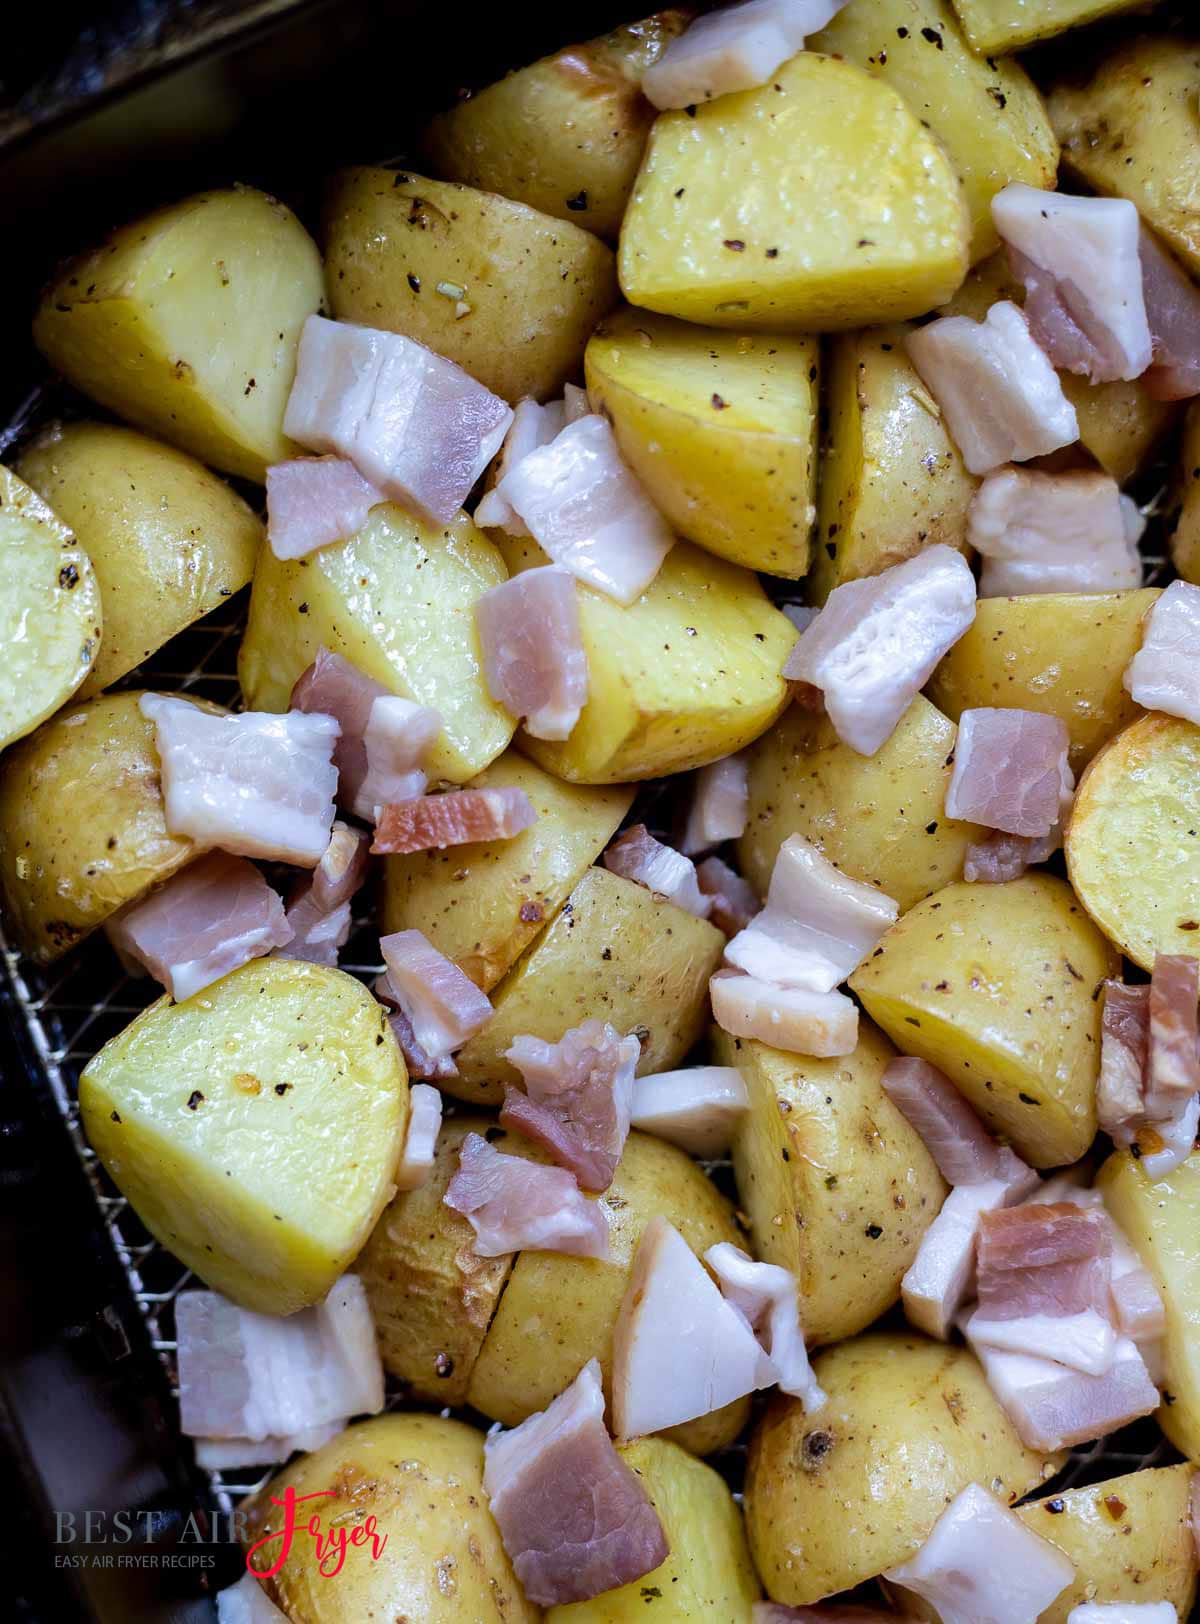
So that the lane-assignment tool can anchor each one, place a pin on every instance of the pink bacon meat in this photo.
(733, 49)
(1010, 769)
(1124, 1045)
(1068, 532)
(720, 803)
(1172, 1062)
(952, 1133)
(1173, 311)
(420, 1140)
(1004, 857)
(636, 855)
(515, 1205)
(532, 425)
(531, 639)
(319, 908)
(1044, 1279)
(1055, 1407)
(578, 1098)
(315, 501)
(332, 686)
(442, 1005)
(456, 818)
(733, 902)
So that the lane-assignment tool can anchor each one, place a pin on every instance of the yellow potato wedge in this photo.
(997, 986)
(1185, 532)
(255, 1128)
(614, 952)
(508, 293)
(168, 540)
(880, 818)
(398, 601)
(1061, 653)
(685, 675)
(834, 1498)
(836, 1184)
(996, 26)
(1131, 852)
(186, 324)
(565, 134)
(720, 428)
(817, 201)
(50, 610)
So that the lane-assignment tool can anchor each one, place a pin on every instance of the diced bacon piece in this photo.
(342, 869)
(679, 1349)
(636, 855)
(1173, 311)
(315, 501)
(942, 1275)
(771, 1612)
(397, 739)
(1054, 1407)
(1079, 260)
(443, 1006)
(584, 507)
(982, 1565)
(1138, 1305)
(765, 1294)
(818, 924)
(420, 1139)
(1009, 770)
(458, 817)
(578, 1098)
(720, 805)
(696, 1109)
(963, 1149)
(791, 1018)
(733, 901)
(247, 1603)
(733, 49)
(1165, 1145)
(244, 1375)
(575, 403)
(514, 1205)
(1084, 1341)
(418, 1061)
(1040, 532)
(1173, 1062)
(319, 937)
(1000, 396)
(1123, 1612)
(574, 1518)
(1164, 674)
(209, 919)
(532, 425)
(875, 644)
(254, 784)
(414, 424)
(1037, 1235)
(220, 1454)
(531, 639)
(319, 908)
(1006, 857)
(332, 686)
(1124, 1044)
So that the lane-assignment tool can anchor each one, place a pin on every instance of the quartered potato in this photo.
(817, 201)
(834, 1498)
(720, 428)
(565, 134)
(437, 1558)
(1161, 1217)
(1061, 653)
(686, 674)
(996, 26)
(508, 293)
(1133, 839)
(836, 1184)
(708, 1575)
(398, 601)
(255, 1128)
(558, 1311)
(1129, 1537)
(1129, 130)
(616, 952)
(50, 614)
(168, 540)
(186, 323)
(892, 480)
(997, 986)
(880, 818)
(1185, 534)
(988, 115)
(483, 904)
(82, 824)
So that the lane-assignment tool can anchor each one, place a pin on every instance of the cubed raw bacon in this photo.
(578, 1098)
(397, 740)
(332, 686)
(319, 908)
(636, 855)
(791, 1018)
(733, 49)
(455, 818)
(1172, 1062)
(315, 501)
(531, 639)
(1039, 532)
(1164, 674)
(941, 1277)
(1124, 1044)
(420, 1140)
(1055, 1407)
(697, 1108)
(1004, 857)
(720, 805)
(1173, 311)
(963, 1149)
(765, 1293)
(418, 1061)
(442, 1005)
(532, 425)
(733, 902)
(1085, 1341)
(516, 1205)
(1010, 770)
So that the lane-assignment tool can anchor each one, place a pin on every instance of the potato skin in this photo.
(834, 1498)
(880, 817)
(837, 1186)
(535, 286)
(255, 1128)
(1129, 1537)
(997, 986)
(708, 1575)
(483, 904)
(186, 322)
(565, 134)
(614, 952)
(82, 825)
(1130, 852)
(421, 1478)
(168, 540)
(1062, 653)
(996, 26)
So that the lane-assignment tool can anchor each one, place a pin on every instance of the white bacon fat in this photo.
(696, 1108)
(531, 639)
(1070, 532)
(513, 1204)
(733, 49)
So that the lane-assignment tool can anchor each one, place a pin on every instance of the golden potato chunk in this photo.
(186, 323)
(168, 540)
(817, 201)
(720, 428)
(996, 26)
(1132, 851)
(255, 1128)
(508, 293)
(997, 986)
